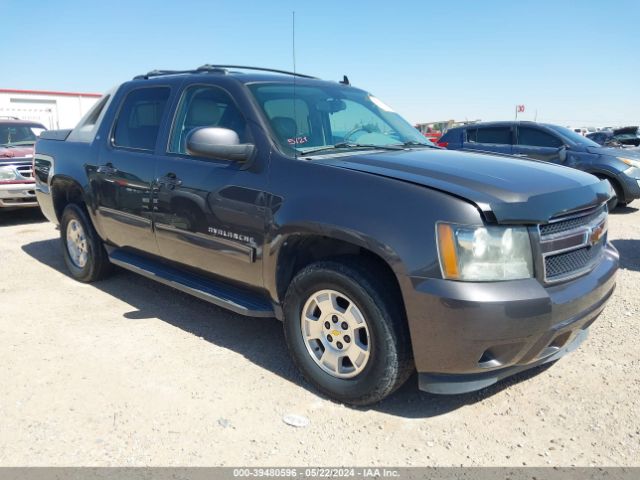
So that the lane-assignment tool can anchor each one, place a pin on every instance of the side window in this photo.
(139, 118)
(472, 135)
(494, 135)
(205, 106)
(535, 137)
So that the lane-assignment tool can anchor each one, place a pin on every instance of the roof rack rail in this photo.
(208, 68)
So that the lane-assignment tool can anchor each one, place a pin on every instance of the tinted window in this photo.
(535, 137)
(139, 119)
(204, 106)
(494, 135)
(472, 134)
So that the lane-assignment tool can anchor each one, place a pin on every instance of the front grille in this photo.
(572, 245)
(25, 170)
(572, 223)
(571, 263)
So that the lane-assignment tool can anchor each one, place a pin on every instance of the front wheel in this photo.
(617, 200)
(346, 331)
(82, 248)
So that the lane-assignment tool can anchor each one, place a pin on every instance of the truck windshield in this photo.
(11, 135)
(315, 118)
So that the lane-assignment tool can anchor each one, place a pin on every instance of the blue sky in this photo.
(575, 63)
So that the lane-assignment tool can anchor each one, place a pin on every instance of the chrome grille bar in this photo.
(571, 246)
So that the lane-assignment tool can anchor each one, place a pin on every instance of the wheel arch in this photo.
(66, 190)
(300, 249)
(612, 177)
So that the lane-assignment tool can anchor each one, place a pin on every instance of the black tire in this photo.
(615, 202)
(390, 360)
(97, 264)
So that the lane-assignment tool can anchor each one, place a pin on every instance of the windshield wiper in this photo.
(351, 145)
(413, 143)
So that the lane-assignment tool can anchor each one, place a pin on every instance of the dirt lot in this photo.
(129, 372)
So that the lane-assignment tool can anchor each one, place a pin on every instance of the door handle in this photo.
(107, 169)
(170, 180)
(519, 155)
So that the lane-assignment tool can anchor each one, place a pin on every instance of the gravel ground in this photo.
(129, 372)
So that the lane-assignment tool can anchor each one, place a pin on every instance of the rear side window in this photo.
(494, 135)
(472, 135)
(138, 121)
(535, 137)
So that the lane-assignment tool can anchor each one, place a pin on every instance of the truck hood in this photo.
(506, 189)
(16, 152)
(615, 152)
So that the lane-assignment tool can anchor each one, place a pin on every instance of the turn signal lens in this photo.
(448, 255)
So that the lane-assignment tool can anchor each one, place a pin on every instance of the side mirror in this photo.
(562, 153)
(219, 143)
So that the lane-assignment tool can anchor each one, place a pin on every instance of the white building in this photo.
(55, 110)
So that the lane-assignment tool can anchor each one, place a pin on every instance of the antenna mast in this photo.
(293, 39)
(293, 48)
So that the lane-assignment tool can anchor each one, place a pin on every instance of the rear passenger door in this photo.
(489, 139)
(534, 142)
(123, 176)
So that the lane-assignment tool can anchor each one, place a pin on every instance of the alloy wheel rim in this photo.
(77, 244)
(335, 334)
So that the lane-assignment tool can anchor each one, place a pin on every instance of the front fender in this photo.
(392, 219)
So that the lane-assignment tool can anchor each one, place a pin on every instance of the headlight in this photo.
(630, 162)
(483, 254)
(7, 174)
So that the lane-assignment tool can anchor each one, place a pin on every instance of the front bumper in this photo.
(17, 195)
(467, 336)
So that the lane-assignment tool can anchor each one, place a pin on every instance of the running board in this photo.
(223, 295)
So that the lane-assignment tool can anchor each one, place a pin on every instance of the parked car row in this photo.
(552, 143)
(618, 138)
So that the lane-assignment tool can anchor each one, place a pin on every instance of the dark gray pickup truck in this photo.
(278, 194)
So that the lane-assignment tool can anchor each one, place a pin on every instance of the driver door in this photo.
(210, 212)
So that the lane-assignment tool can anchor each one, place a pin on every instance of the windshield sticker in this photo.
(297, 141)
(380, 104)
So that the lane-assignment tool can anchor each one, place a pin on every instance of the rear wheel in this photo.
(346, 331)
(83, 251)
